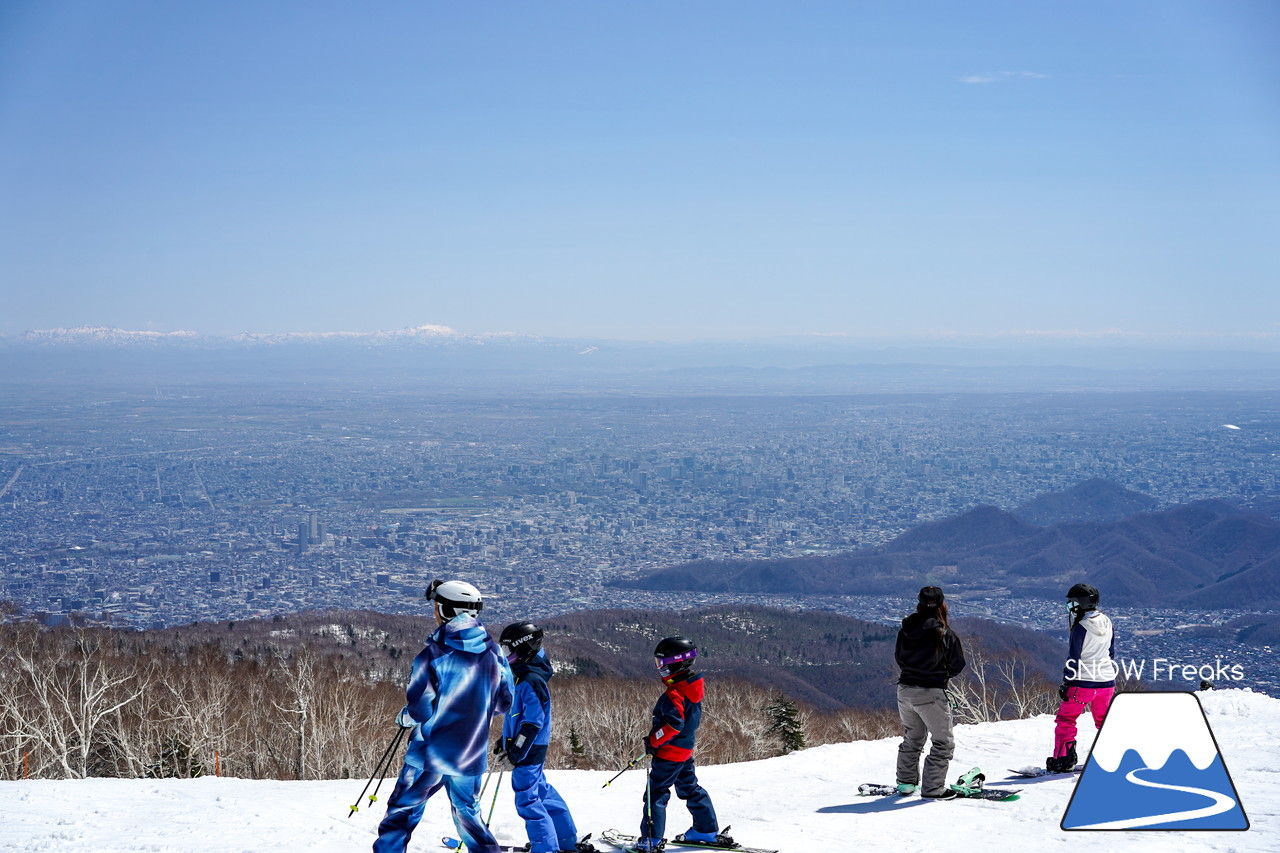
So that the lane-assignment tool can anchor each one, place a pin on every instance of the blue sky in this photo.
(656, 170)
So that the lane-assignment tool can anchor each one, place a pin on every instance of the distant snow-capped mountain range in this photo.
(114, 337)
(835, 364)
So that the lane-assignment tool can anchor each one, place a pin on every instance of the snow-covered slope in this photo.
(805, 801)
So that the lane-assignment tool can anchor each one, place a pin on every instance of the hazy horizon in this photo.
(1025, 340)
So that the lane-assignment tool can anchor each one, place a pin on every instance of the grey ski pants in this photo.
(925, 714)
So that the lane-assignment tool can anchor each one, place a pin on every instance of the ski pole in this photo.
(648, 803)
(485, 786)
(377, 772)
(632, 763)
(373, 798)
(489, 819)
(377, 769)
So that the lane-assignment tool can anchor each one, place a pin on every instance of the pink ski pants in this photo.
(1096, 699)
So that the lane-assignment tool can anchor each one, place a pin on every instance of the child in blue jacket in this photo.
(459, 682)
(671, 741)
(526, 732)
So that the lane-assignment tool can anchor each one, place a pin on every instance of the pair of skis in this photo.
(970, 786)
(583, 846)
(627, 843)
(624, 842)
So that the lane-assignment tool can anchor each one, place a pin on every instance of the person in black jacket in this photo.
(929, 654)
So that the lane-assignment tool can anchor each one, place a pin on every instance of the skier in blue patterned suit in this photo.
(459, 682)
(526, 732)
(671, 741)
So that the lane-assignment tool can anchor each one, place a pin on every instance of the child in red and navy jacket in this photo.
(671, 741)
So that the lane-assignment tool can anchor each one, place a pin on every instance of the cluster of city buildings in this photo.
(194, 509)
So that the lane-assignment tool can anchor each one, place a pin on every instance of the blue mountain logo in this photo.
(1155, 765)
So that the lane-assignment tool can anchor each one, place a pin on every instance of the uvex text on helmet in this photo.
(520, 640)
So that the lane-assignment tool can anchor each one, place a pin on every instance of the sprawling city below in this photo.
(168, 505)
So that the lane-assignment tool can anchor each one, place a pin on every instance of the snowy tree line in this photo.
(90, 701)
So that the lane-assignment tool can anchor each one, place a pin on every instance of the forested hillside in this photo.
(313, 695)
(826, 659)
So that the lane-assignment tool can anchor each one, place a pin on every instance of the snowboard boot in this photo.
(947, 794)
(905, 790)
(709, 839)
(1065, 763)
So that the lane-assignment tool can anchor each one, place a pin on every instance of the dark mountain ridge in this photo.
(1092, 500)
(1203, 554)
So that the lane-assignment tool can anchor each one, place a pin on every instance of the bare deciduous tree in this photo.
(72, 684)
(102, 702)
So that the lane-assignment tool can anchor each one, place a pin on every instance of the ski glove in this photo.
(502, 762)
(649, 749)
(403, 720)
(1063, 689)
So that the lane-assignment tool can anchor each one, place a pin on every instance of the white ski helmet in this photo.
(455, 597)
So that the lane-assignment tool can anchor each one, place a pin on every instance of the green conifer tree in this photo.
(784, 723)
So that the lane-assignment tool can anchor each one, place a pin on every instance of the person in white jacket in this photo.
(1089, 677)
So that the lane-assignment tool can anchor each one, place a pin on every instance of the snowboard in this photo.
(627, 843)
(1032, 772)
(872, 789)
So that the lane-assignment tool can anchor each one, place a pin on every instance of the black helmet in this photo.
(674, 655)
(931, 596)
(1082, 598)
(520, 641)
(455, 597)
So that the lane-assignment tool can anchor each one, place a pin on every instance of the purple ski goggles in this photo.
(664, 663)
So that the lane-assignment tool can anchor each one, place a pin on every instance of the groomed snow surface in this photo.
(805, 801)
